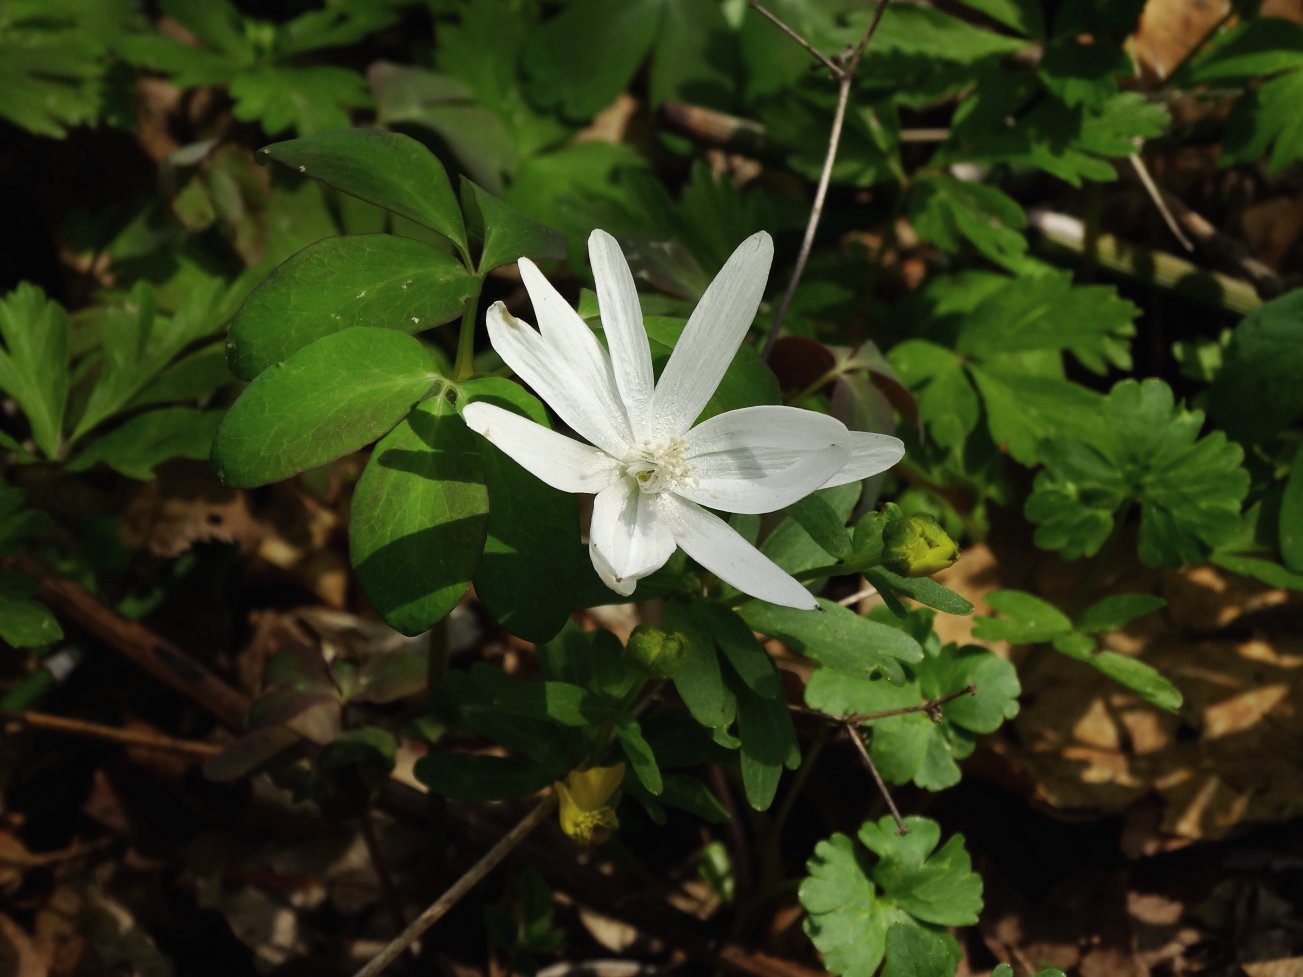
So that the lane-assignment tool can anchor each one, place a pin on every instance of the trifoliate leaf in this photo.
(1146, 450)
(855, 901)
(914, 747)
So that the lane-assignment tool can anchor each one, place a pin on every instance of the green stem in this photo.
(1100, 563)
(464, 366)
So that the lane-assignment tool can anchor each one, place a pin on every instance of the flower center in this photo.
(658, 466)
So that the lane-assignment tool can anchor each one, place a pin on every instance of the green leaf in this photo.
(740, 649)
(474, 777)
(1250, 50)
(933, 34)
(853, 902)
(914, 746)
(308, 100)
(558, 702)
(925, 590)
(507, 234)
(24, 622)
(1023, 16)
(793, 549)
(1291, 516)
(1144, 450)
(1114, 613)
(1004, 970)
(419, 517)
(1144, 680)
(700, 680)
(821, 521)
(531, 525)
(1027, 619)
(1266, 118)
(837, 637)
(946, 210)
(387, 169)
(1257, 391)
(364, 280)
(136, 447)
(580, 60)
(329, 399)
(592, 660)
(639, 754)
(1082, 74)
(768, 743)
(946, 400)
(932, 885)
(913, 951)
(34, 362)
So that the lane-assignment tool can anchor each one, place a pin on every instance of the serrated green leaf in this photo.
(1145, 450)
(136, 447)
(34, 362)
(308, 100)
(373, 280)
(1115, 612)
(419, 517)
(1023, 16)
(1257, 391)
(387, 169)
(531, 525)
(837, 637)
(1027, 620)
(330, 398)
(1252, 49)
(507, 234)
(946, 210)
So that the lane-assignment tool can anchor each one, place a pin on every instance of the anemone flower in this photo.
(655, 474)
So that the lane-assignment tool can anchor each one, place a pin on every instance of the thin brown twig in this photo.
(901, 827)
(469, 879)
(845, 75)
(147, 739)
(1156, 195)
(932, 707)
(815, 53)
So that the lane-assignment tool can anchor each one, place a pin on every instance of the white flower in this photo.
(652, 470)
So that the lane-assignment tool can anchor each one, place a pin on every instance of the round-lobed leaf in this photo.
(329, 399)
(341, 282)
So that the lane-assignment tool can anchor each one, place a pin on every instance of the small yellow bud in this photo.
(917, 546)
(586, 815)
(655, 652)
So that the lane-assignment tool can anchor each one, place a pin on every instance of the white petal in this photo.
(628, 537)
(716, 546)
(561, 462)
(617, 298)
(577, 399)
(759, 459)
(871, 454)
(712, 336)
(562, 329)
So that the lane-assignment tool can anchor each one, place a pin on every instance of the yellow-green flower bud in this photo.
(655, 652)
(917, 546)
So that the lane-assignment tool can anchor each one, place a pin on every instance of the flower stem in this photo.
(465, 363)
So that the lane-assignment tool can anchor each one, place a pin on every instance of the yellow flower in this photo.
(585, 814)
